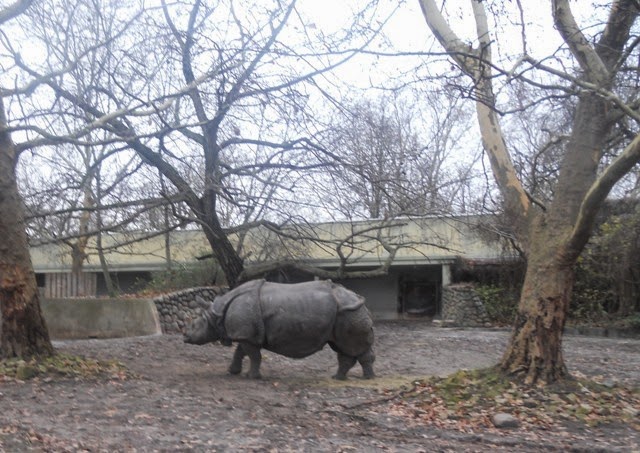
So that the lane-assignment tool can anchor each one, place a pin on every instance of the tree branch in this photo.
(478, 68)
(597, 194)
(15, 9)
(580, 47)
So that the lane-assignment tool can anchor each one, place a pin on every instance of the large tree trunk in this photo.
(23, 332)
(535, 350)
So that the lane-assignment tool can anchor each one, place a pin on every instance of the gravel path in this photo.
(185, 400)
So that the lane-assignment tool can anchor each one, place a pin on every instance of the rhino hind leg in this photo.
(353, 340)
(345, 363)
(366, 362)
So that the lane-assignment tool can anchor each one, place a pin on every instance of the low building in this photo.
(424, 250)
(130, 258)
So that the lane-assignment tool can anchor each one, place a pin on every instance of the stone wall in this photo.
(177, 309)
(461, 306)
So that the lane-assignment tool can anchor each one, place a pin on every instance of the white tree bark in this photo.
(476, 63)
(580, 47)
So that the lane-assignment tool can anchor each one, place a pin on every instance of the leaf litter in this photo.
(466, 401)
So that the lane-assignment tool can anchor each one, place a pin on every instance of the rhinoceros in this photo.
(294, 320)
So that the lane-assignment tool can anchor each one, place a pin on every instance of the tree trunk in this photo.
(226, 256)
(108, 281)
(166, 212)
(535, 350)
(79, 248)
(23, 332)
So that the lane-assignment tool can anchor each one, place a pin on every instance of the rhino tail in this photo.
(345, 299)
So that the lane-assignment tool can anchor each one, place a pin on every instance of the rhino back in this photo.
(250, 288)
(298, 318)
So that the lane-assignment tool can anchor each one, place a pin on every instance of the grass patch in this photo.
(396, 382)
(61, 365)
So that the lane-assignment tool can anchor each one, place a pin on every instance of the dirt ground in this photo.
(184, 400)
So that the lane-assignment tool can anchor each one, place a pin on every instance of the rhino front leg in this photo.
(236, 362)
(255, 357)
(345, 363)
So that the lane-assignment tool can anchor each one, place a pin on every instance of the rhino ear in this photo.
(202, 303)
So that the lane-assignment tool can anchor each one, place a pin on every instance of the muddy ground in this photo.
(184, 400)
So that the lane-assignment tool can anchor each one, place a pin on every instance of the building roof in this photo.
(362, 244)
(143, 255)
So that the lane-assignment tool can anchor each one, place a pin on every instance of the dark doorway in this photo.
(419, 298)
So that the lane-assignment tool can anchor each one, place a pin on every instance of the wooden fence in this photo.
(61, 285)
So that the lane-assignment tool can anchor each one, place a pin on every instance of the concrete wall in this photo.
(100, 318)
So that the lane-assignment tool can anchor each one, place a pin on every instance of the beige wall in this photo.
(428, 240)
(100, 318)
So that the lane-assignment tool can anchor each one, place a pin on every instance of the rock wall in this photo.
(175, 310)
(461, 306)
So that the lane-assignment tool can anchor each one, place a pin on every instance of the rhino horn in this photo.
(202, 303)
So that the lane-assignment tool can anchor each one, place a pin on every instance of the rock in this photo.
(503, 420)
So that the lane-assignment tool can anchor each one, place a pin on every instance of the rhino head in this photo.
(202, 329)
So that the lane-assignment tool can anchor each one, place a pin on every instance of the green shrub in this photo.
(633, 321)
(607, 281)
(500, 303)
(201, 273)
(588, 305)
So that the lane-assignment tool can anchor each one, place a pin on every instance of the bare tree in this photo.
(553, 232)
(213, 98)
(390, 169)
